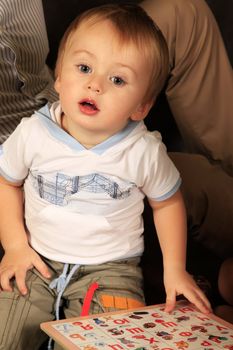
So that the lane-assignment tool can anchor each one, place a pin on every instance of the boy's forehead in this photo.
(98, 28)
(103, 34)
(90, 25)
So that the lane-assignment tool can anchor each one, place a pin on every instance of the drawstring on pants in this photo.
(60, 285)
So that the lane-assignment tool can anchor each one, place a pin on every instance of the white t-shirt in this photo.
(84, 206)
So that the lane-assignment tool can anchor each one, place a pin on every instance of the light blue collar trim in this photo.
(58, 133)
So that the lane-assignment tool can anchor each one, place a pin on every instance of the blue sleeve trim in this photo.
(170, 193)
(11, 179)
(3, 174)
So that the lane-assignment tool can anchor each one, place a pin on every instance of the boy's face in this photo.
(101, 83)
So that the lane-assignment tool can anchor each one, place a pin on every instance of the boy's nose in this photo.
(94, 88)
(96, 84)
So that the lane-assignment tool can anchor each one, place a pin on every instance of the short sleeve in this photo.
(162, 179)
(13, 165)
(25, 80)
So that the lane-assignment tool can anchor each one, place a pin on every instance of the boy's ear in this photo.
(57, 84)
(141, 112)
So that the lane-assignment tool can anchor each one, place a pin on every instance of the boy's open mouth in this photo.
(88, 105)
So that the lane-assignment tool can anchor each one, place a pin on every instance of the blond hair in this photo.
(132, 25)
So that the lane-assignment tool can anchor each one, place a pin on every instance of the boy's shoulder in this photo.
(151, 139)
(42, 119)
(32, 130)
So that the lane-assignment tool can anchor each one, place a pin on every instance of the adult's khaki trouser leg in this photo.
(200, 85)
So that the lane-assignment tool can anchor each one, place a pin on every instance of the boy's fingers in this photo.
(170, 302)
(42, 268)
(20, 277)
(201, 306)
(199, 299)
(204, 303)
(5, 281)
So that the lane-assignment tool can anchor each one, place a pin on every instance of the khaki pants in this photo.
(120, 287)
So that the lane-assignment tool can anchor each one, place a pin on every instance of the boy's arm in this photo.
(11, 215)
(170, 222)
(19, 256)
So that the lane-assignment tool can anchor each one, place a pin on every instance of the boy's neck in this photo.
(87, 139)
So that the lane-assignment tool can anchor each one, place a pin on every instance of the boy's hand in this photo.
(180, 282)
(15, 264)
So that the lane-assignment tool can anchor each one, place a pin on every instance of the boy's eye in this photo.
(84, 68)
(117, 81)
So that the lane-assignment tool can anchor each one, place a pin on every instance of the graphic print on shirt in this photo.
(61, 187)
